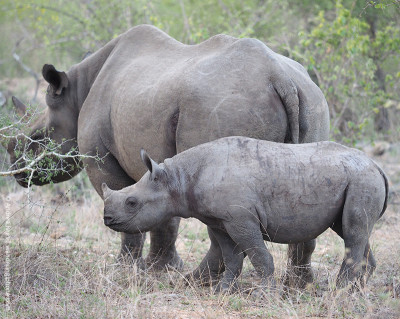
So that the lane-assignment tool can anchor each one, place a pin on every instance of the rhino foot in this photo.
(266, 290)
(226, 288)
(263, 293)
(203, 277)
(299, 273)
(159, 263)
(126, 259)
(298, 277)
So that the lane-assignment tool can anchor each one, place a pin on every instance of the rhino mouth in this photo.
(115, 226)
(21, 179)
(112, 223)
(118, 226)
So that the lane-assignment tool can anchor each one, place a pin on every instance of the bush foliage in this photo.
(350, 47)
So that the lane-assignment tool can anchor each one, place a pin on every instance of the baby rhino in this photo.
(249, 190)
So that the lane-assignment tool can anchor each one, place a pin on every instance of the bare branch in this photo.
(27, 69)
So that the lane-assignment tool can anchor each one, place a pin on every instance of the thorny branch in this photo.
(30, 162)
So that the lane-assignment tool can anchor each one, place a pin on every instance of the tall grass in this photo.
(63, 265)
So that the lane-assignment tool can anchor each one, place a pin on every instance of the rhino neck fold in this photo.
(85, 73)
(183, 188)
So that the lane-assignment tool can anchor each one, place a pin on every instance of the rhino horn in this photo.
(20, 107)
(106, 190)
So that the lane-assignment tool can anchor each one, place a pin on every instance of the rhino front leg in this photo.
(250, 240)
(212, 265)
(233, 261)
(132, 246)
(162, 246)
(299, 272)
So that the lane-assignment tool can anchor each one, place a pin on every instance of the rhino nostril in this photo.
(108, 220)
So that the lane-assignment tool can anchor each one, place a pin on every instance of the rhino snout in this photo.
(108, 216)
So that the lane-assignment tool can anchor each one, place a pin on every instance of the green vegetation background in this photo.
(351, 48)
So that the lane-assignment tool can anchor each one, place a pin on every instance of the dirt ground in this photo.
(60, 262)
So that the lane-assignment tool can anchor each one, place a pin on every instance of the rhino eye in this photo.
(131, 202)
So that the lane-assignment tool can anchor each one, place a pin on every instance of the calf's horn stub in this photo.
(106, 190)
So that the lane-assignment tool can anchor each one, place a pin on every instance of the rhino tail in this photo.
(386, 189)
(288, 93)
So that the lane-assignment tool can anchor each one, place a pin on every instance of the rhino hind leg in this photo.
(352, 269)
(299, 272)
(162, 247)
(211, 267)
(368, 263)
(361, 210)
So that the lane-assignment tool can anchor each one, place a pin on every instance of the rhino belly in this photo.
(303, 221)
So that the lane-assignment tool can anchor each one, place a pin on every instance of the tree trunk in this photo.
(381, 121)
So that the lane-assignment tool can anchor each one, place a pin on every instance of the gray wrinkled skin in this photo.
(145, 89)
(247, 191)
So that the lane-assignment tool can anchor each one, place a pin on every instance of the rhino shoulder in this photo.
(148, 35)
(216, 42)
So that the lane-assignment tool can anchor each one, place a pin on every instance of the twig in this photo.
(185, 20)
(26, 168)
(67, 14)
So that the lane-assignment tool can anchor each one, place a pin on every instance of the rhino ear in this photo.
(155, 170)
(57, 80)
(19, 106)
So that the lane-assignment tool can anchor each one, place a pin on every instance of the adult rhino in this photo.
(145, 89)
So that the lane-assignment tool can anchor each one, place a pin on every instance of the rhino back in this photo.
(156, 93)
(299, 189)
(161, 95)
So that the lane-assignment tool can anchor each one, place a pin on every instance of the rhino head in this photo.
(58, 123)
(144, 205)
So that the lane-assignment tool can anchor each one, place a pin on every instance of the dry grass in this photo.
(63, 266)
